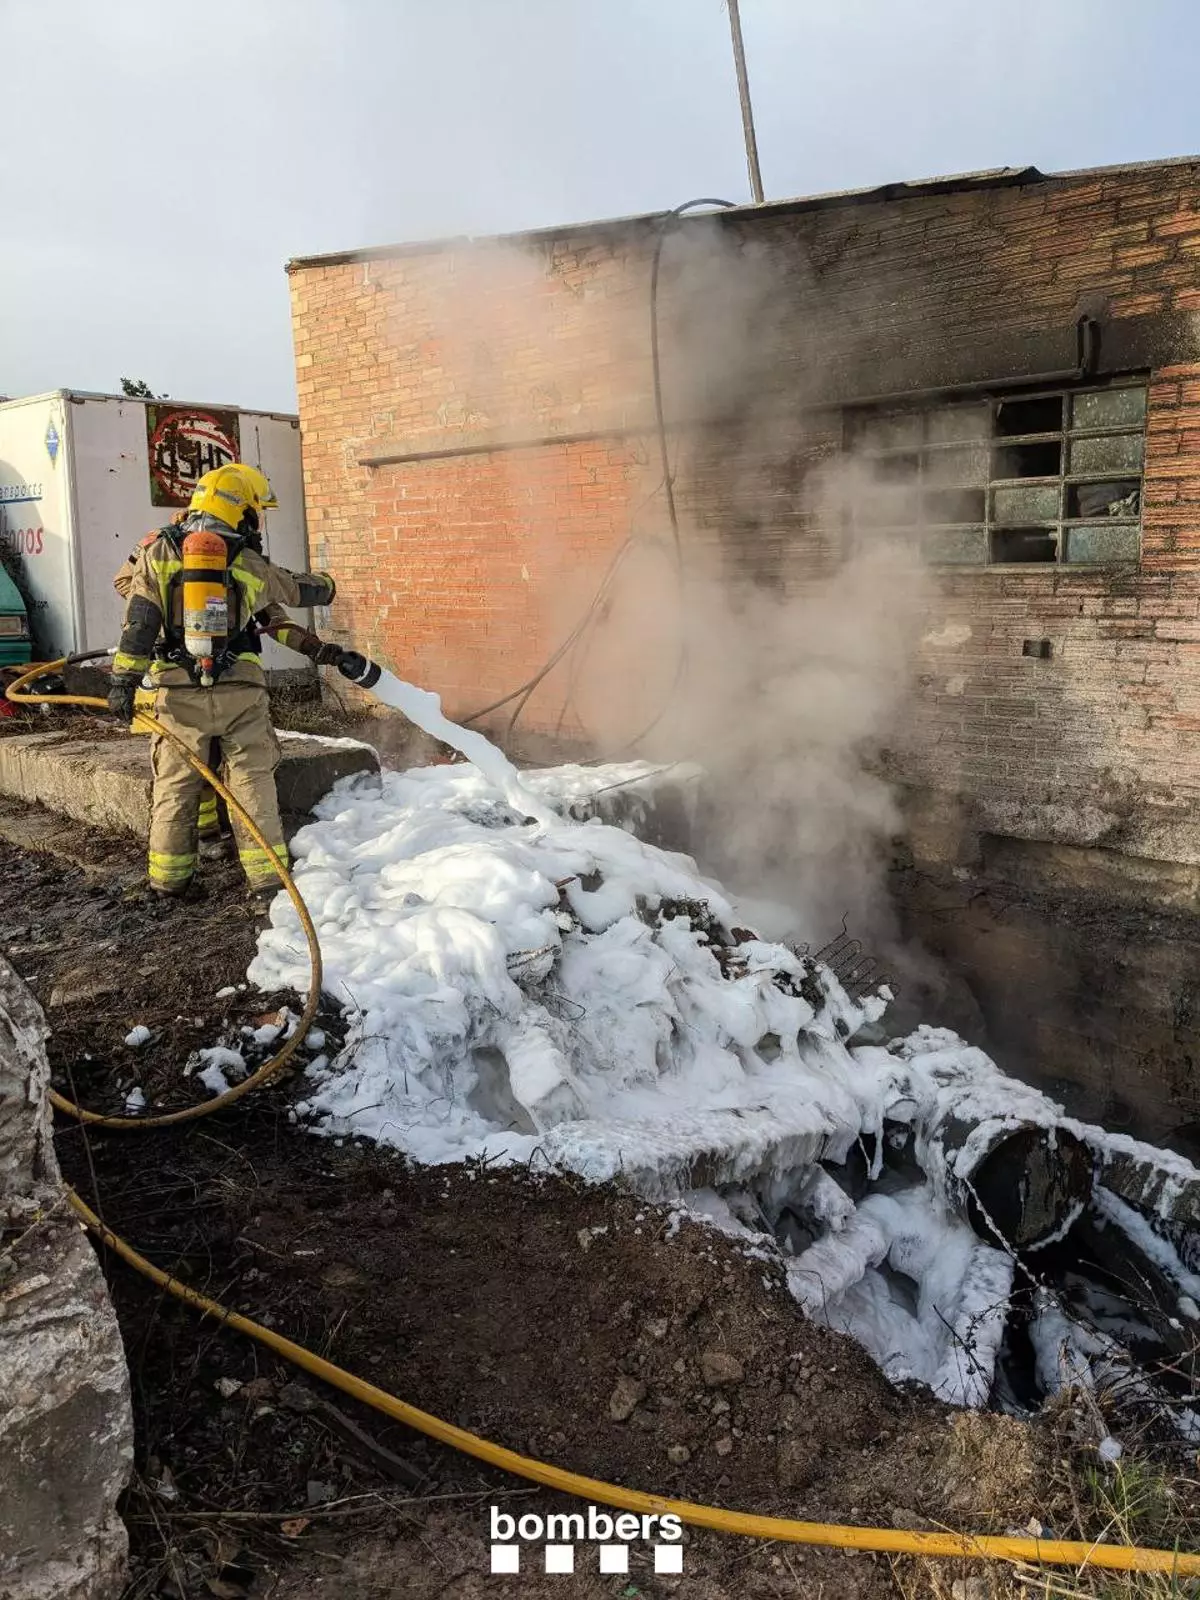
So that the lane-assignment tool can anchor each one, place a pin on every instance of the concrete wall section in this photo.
(107, 783)
(66, 1427)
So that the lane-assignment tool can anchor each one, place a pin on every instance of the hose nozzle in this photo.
(364, 673)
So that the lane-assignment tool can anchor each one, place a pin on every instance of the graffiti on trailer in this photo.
(185, 442)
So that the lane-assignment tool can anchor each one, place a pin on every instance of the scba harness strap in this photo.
(172, 647)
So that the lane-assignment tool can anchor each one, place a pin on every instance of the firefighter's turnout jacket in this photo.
(272, 620)
(234, 710)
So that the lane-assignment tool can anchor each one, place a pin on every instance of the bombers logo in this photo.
(609, 1536)
(183, 443)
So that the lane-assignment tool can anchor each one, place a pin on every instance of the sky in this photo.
(159, 163)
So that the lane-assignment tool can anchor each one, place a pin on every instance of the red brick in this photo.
(1141, 255)
(1178, 223)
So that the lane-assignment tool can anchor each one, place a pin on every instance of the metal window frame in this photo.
(926, 450)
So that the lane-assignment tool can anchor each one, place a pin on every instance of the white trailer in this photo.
(84, 477)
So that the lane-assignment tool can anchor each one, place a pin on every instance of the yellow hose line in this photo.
(267, 1071)
(891, 1541)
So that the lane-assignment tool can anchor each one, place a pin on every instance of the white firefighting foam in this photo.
(547, 987)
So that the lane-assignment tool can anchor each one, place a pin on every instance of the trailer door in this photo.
(35, 516)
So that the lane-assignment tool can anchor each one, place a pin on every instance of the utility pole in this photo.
(743, 82)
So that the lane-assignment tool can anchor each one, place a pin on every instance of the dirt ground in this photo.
(524, 1308)
(572, 1323)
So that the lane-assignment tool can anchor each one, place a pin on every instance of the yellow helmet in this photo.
(227, 493)
(264, 496)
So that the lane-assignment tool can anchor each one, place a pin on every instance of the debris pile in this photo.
(522, 985)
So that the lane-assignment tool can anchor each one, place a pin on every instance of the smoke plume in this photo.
(775, 646)
(768, 633)
(787, 697)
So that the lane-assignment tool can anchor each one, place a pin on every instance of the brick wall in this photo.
(464, 571)
(456, 571)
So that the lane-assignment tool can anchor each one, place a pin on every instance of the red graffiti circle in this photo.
(184, 446)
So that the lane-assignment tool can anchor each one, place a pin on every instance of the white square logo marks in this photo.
(506, 1558)
(560, 1558)
(614, 1558)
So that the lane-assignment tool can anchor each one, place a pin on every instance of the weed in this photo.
(301, 708)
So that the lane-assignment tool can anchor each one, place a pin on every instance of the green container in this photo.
(14, 625)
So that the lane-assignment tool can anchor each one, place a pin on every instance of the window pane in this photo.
(888, 432)
(886, 508)
(1036, 502)
(1023, 544)
(1104, 541)
(1043, 415)
(1119, 498)
(1029, 460)
(1015, 477)
(1118, 452)
(954, 505)
(956, 547)
(959, 422)
(900, 468)
(965, 464)
(1108, 408)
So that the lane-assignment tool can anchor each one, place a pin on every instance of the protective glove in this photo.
(120, 697)
(329, 655)
(365, 674)
(351, 665)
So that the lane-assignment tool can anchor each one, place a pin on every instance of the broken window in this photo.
(1039, 478)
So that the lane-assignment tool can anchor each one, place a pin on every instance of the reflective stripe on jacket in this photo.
(256, 585)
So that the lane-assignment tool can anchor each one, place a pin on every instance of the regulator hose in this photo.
(888, 1541)
(18, 693)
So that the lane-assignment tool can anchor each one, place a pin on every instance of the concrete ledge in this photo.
(311, 766)
(106, 782)
(945, 827)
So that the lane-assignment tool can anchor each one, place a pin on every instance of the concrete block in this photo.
(106, 782)
(66, 1425)
(311, 766)
(1114, 874)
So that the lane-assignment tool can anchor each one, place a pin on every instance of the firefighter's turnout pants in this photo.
(234, 710)
(237, 715)
(209, 817)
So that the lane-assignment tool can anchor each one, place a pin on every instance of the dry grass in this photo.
(300, 708)
(995, 1471)
(1137, 1501)
(1148, 1499)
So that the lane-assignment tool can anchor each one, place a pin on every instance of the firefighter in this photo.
(209, 684)
(272, 620)
(209, 813)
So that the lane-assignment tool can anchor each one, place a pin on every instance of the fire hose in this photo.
(263, 1075)
(888, 1541)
